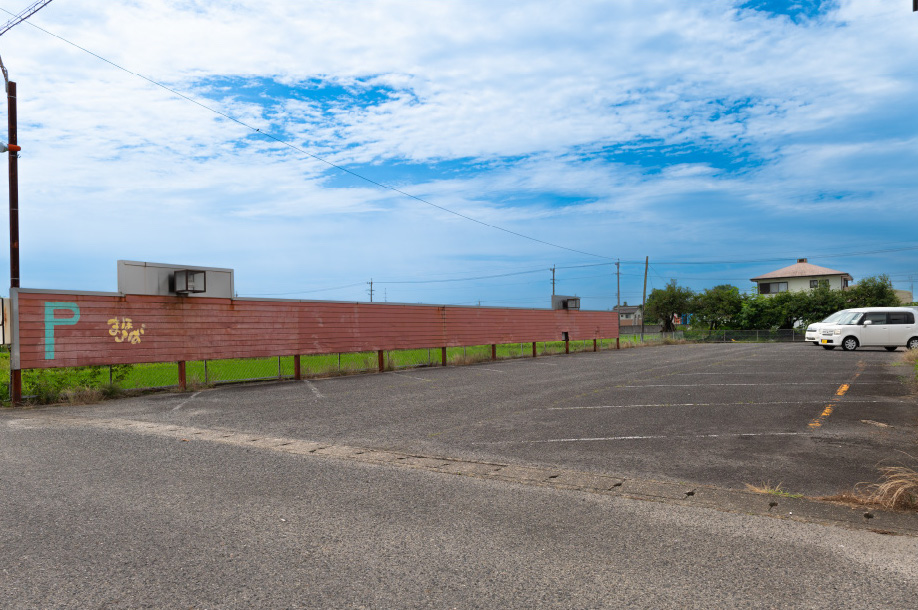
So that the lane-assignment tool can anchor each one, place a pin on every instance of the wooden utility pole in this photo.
(13, 148)
(552, 280)
(371, 290)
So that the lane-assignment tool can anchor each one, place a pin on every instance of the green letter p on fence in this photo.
(51, 322)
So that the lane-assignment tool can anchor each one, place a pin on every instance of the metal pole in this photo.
(644, 298)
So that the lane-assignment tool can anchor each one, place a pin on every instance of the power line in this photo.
(23, 15)
(277, 294)
(313, 156)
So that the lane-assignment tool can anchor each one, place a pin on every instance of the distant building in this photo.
(905, 296)
(628, 315)
(801, 276)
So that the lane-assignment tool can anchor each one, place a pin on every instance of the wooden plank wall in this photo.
(114, 329)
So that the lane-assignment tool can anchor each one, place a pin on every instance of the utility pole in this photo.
(13, 148)
(14, 185)
(644, 298)
(618, 283)
(552, 280)
(371, 290)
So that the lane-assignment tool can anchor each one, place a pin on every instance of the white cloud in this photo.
(572, 115)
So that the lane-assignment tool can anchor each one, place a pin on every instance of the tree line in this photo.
(724, 307)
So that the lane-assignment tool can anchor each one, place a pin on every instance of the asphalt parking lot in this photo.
(728, 415)
(579, 474)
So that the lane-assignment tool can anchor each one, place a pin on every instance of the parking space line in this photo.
(704, 385)
(661, 437)
(679, 404)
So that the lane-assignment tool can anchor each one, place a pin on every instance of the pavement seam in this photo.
(702, 496)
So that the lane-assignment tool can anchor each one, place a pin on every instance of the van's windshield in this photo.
(835, 316)
(849, 317)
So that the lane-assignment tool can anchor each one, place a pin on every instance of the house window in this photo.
(772, 287)
(818, 283)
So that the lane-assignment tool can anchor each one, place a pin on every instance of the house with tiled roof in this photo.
(800, 276)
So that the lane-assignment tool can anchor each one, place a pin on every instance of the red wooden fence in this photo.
(58, 329)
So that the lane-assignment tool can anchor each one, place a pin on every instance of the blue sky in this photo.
(721, 139)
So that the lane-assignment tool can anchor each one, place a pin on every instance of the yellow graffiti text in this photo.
(123, 330)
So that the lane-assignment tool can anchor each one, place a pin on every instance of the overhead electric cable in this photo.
(23, 15)
(316, 157)
(277, 294)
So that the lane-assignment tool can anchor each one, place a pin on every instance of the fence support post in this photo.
(617, 344)
(493, 351)
(443, 356)
(297, 372)
(533, 349)
(382, 360)
(567, 346)
(181, 375)
(594, 345)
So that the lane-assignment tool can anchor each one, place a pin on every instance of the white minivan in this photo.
(812, 331)
(888, 327)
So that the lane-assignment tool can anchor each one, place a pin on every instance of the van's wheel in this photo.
(849, 344)
(890, 348)
(912, 343)
(828, 347)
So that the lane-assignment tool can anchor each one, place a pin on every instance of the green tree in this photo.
(718, 306)
(873, 291)
(820, 303)
(663, 303)
(759, 312)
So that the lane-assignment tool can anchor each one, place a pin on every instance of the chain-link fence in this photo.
(47, 385)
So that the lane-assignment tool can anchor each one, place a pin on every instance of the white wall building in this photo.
(801, 276)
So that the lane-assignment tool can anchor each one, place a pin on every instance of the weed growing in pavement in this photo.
(773, 490)
(897, 490)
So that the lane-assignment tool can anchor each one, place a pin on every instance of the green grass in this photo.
(46, 386)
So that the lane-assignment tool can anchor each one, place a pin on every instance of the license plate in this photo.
(825, 340)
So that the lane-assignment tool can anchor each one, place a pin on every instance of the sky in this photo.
(454, 152)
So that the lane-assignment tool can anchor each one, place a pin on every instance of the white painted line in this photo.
(314, 389)
(714, 404)
(495, 370)
(185, 402)
(641, 438)
(681, 404)
(705, 385)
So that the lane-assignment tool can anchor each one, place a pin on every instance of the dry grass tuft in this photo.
(897, 491)
(773, 490)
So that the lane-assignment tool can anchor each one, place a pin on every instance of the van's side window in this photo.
(875, 317)
(901, 317)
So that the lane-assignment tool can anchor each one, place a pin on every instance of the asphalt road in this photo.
(219, 499)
